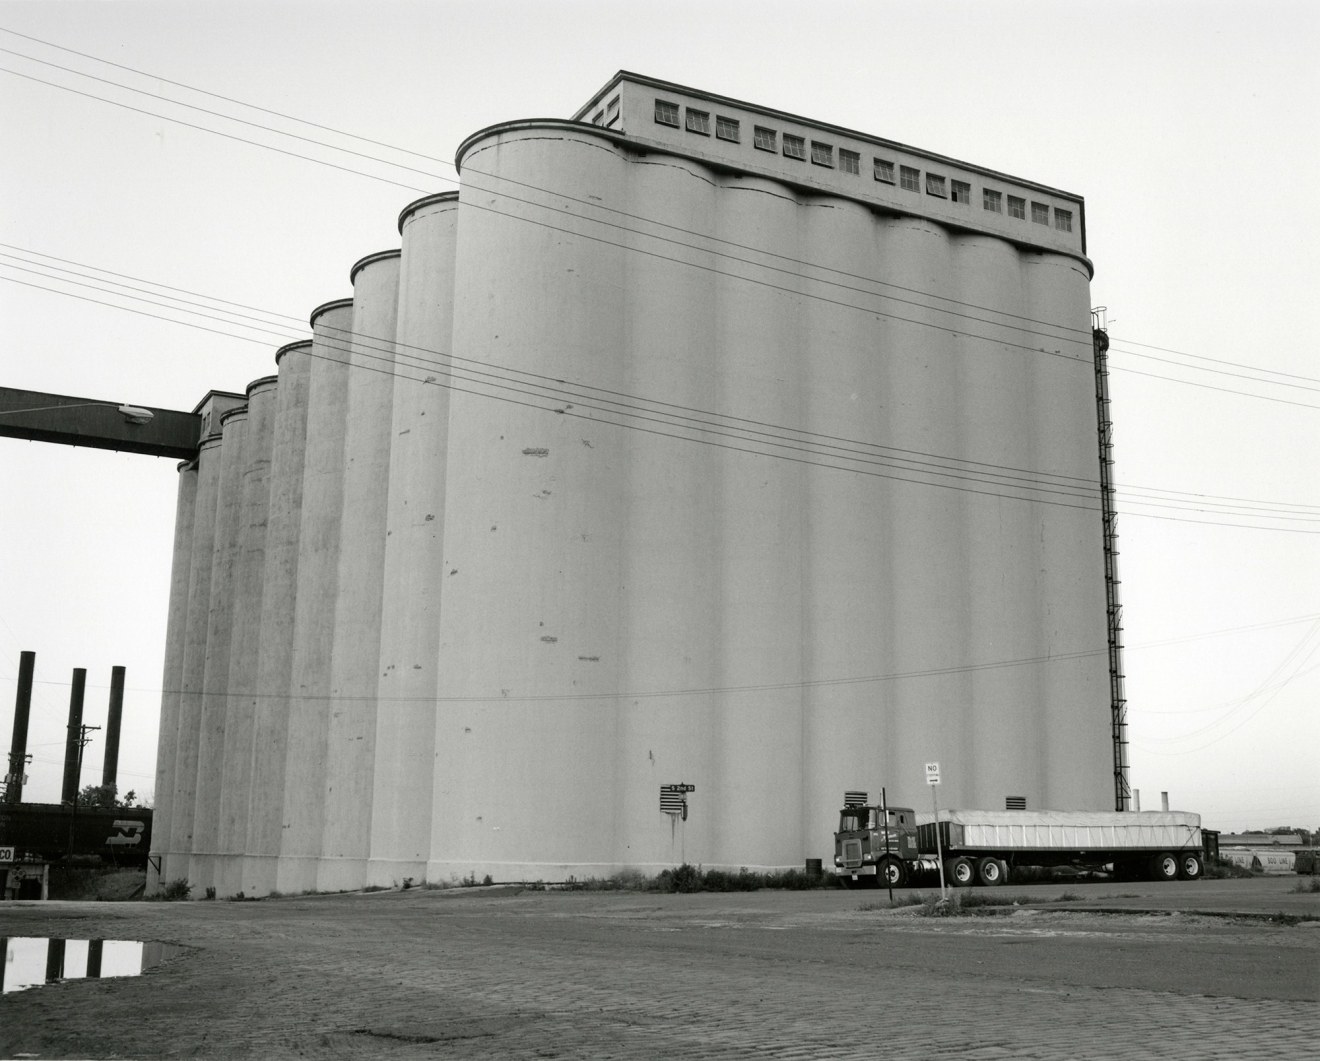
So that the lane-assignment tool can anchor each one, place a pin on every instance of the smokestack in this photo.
(1164, 801)
(73, 745)
(110, 770)
(27, 663)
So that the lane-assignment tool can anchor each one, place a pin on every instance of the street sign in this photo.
(6, 854)
(678, 788)
(932, 773)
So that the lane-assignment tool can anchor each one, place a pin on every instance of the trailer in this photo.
(51, 831)
(987, 847)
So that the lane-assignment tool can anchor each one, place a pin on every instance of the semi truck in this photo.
(877, 845)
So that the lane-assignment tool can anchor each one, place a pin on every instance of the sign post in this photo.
(884, 824)
(933, 779)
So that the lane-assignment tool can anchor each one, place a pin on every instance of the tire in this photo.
(991, 872)
(959, 872)
(1189, 866)
(891, 873)
(1164, 866)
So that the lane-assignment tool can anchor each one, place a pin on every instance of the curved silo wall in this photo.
(413, 563)
(351, 730)
(172, 677)
(184, 797)
(245, 637)
(852, 378)
(1075, 711)
(759, 324)
(782, 629)
(669, 561)
(219, 640)
(535, 505)
(1005, 502)
(314, 599)
(270, 724)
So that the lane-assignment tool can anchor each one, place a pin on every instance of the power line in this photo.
(598, 239)
(1085, 334)
(1125, 489)
(561, 195)
(387, 347)
(1218, 361)
(501, 383)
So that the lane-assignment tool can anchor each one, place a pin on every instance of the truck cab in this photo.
(874, 845)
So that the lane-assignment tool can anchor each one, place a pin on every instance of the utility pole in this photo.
(83, 741)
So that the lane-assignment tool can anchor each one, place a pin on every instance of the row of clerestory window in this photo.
(820, 153)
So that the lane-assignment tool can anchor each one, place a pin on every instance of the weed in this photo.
(210, 893)
(175, 891)
(1307, 887)
(1223, 868)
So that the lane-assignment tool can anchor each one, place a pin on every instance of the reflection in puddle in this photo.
(31, 962)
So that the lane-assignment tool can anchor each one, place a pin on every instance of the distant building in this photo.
(693, 464)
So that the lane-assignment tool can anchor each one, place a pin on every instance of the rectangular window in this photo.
(883, 170)
(909, 179)
(1063, 220)
(850, 161)
(960, 192)
(666, 113)
(935, 185)
(727, 128)
(795, 146)
(599, 118)
(1040, 213)
(1017, 207)
(698, 122)
(822, 154)
(763, 138)
(992, 200)
(612, 113)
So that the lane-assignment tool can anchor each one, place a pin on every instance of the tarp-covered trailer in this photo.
(985, 846)
(1161, 844)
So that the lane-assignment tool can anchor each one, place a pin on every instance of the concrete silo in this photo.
(689, 443)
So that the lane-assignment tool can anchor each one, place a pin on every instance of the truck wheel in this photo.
(891, 873)
(1164, 867)
(1189, 866)
(959, 872)
(990, 872)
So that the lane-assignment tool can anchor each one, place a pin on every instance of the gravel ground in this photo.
(502, 973)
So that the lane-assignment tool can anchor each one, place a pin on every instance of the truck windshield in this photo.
(852, 821)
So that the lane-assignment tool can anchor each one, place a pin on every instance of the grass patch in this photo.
(175, 891)
(1226, 869)
(1307, 887)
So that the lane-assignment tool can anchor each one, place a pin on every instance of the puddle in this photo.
(34, 961)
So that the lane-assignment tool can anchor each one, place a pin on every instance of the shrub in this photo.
(176, 890)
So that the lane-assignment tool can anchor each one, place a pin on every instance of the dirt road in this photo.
(474, 973)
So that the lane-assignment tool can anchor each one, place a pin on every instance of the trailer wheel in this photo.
(1189, 866)
(891, 873)
(959, 872)
(991, 872)
(1164, 866)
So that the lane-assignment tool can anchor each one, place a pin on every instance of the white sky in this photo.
(1188, 127)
